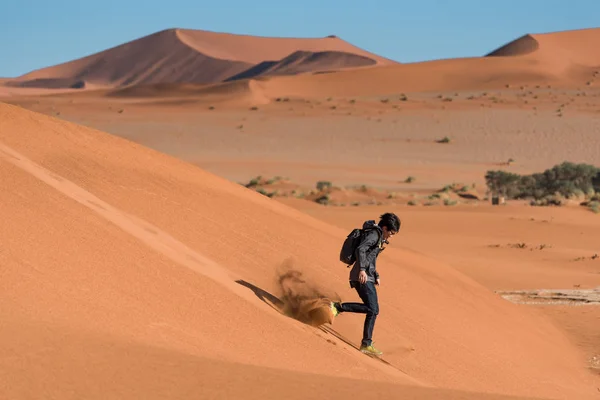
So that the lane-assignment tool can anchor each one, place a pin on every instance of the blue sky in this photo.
(40, 33)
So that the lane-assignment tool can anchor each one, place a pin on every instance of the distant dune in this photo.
(573, 46)
(563, 58)
(306, 61)
(296, 67)
(193, 56)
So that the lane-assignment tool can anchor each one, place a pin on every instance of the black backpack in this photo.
(348, 251)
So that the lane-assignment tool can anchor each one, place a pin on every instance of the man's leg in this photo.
(368, 294)
(359, 308)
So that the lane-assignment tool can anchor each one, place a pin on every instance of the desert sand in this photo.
(140, 261)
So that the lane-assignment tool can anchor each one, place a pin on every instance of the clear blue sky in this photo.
(40, 33)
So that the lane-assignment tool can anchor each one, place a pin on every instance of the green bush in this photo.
(567, 180)
(323, 185)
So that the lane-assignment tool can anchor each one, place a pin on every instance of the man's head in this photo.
(390, 225)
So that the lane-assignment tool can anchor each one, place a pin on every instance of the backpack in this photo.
(348, 251)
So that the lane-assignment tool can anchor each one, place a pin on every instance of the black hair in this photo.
(390, 221)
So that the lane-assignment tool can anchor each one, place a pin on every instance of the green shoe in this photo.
(334, 310)
(370, 350)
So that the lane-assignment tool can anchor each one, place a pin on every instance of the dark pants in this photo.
(369, 306)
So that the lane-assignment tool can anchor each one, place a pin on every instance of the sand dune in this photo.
(431, 76)
(306, 61)
(179, 56)
(92, 366)
(566, 59)
(128, 251)
(189, 56)
(576, 46)
(560, 59)
(256, 49)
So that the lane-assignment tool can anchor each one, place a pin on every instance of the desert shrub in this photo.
(553, 200)
(254, 182)
(568, 180)
(445, 139)
(323, 185)
(410, 179)
(323, 199)
(265, 193)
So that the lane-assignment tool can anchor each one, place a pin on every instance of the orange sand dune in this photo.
(118, 258)
(560, 59)
(572, 47)
(188, 56)
(306, 61)
(439, 75)
(256, 49)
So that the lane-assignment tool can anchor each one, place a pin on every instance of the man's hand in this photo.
(362, 277)
(378, 282)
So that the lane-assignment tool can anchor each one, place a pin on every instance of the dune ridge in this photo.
(440, 328)
(575, 45)
(190, 56)
(557, 59)
(306, 61)
(256, 49)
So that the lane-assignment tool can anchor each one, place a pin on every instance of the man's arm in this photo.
(369, 241)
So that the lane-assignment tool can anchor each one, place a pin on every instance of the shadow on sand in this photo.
(279, 305)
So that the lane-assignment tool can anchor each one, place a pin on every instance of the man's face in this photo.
(387, 234)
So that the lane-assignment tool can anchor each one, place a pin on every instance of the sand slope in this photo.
(191, 56)
(126, 250)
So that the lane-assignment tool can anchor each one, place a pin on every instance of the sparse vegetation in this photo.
(450, 202)
(324, 199)
(551, 187)
(594, 206)
(409, 179)
(254, 182)
(445, 139)
(323, 185)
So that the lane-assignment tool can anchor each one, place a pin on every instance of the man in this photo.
(364, 276)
